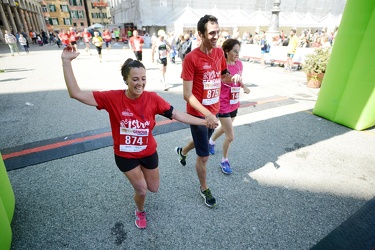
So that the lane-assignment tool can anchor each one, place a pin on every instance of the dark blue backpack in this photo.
(267, 47)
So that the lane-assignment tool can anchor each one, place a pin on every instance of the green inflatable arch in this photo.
(7, 204)
(347, 95)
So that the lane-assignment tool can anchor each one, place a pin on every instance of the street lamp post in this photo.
(273, 29)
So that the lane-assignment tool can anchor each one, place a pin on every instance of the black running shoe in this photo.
(181, 157)
(209, 200)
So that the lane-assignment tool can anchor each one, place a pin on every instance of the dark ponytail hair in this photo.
(129, 64)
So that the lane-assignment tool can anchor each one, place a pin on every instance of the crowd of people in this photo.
(212, 82)
(307, 38)
(61, 38)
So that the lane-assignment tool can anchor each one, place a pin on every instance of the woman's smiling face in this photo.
(136, 81)
(234, 53)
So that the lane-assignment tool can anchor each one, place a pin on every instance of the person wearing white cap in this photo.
(161, 47)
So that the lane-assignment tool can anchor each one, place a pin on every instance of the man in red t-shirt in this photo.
(86, 35)
(203, 69)
(73, 37)
(107, 38)
(136, 42)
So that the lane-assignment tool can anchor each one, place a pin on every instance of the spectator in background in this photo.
(51, 37)
(179, 43)
(326, 43)
(17, 37)
(256, 38)
(153, 38)
(117, 34)
(25, 36)
(263, 49)
(292, 48)
(245, 37)
(23, 42)
(317, 43)
(33, 36)
(11, 40)
(173, 42)
(136, 43)
(305, 43)
(250, 39)
(186, 46)
(107, 39)
(44, 36)
(236, 33)
(278, 41)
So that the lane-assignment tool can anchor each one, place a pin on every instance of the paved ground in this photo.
(297, 177)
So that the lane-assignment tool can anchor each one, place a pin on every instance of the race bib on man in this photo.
(211, 91)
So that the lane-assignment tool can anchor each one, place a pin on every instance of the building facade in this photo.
(148, 14)
(21, 15)
(98, 12)
(48, 15)
(63, 14)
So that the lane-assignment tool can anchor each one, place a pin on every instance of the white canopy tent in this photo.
(291, 20)
(220, 15)
(259, 18)
(96, 26)
(187, 18)
(239, 18)
(308, 20)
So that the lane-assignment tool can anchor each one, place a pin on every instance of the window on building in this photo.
(75, 24)
(52, 8)
(75, 2)
(82, 24)
(64, 8)
(98, 15)
(81, 14)
(44, 9)
(74, 14)
(54, 21)
(77, 14)
(67, 21)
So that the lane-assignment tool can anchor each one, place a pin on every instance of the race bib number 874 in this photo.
(133, 140)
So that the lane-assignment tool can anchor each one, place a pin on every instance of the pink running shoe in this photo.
(140, 219)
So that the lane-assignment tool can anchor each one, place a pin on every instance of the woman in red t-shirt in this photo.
(132, 120)
(64, 37)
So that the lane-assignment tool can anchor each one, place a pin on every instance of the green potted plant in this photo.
(315, 65)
